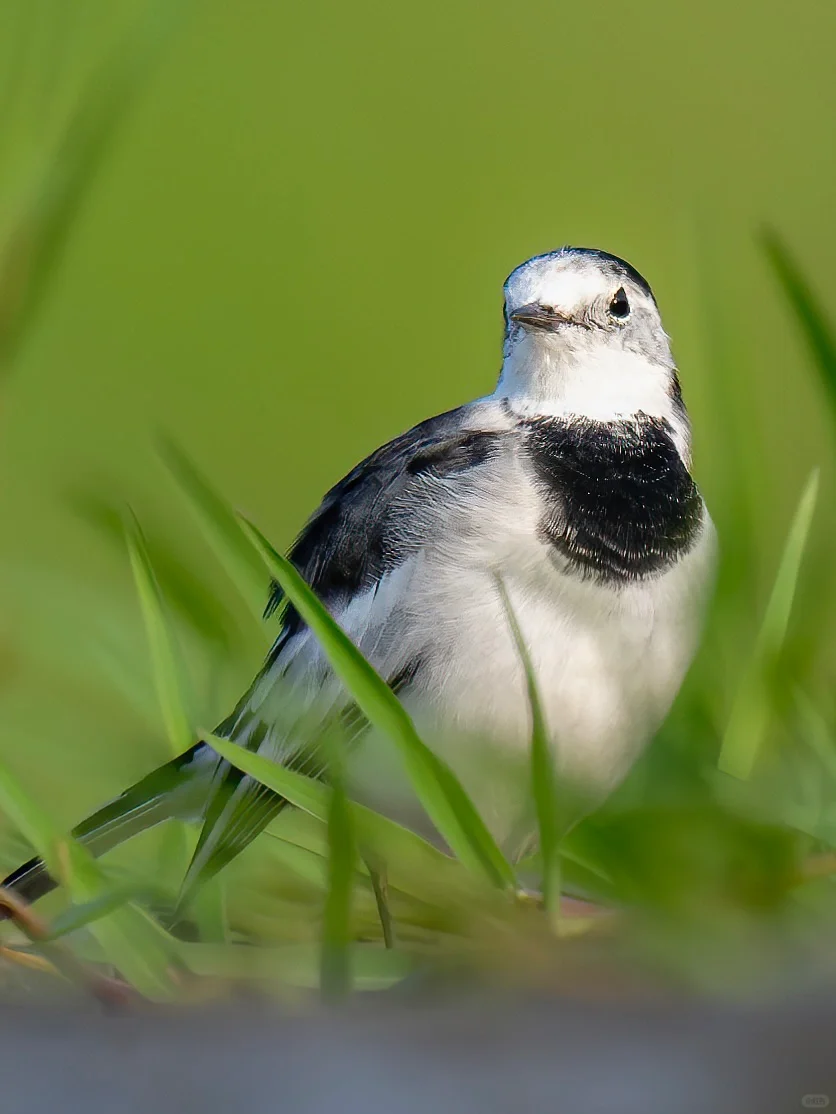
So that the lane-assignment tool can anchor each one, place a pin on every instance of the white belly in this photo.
(609, 662)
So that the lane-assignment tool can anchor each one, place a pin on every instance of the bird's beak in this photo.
(536, 316)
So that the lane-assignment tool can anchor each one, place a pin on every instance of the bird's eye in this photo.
(619, 306)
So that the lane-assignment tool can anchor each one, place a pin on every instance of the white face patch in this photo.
(566, 283)
(596, 368)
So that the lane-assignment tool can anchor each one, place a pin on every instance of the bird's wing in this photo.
(371, 522)
(364, 526)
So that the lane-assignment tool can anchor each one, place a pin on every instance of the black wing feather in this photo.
(362, 527)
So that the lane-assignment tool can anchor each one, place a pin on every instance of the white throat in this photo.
(548, 378)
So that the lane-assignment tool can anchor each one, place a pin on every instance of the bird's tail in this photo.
(235, 809)
(166, 792)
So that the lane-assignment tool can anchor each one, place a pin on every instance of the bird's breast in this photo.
(608, 658)
(618, 501)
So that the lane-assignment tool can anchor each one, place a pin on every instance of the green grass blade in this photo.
(131, 941)
(165, 660)
(80, 916)
(209, 911)
(302, 792)
(294, 965)
(313, 797)
(379, 878)
(219, 525)
(336, 921)
(777, 615)
(543, 778)
(816, 733)
(543, 775)
(191, 597)
(305, 863)
(808, 312)
(169, 673)
(750, 712)
(437, 787)
(30, 257)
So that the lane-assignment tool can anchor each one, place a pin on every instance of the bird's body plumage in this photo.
(570, 485)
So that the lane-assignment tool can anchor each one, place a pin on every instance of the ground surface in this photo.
(481, 1055)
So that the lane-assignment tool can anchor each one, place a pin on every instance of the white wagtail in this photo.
(571, 483)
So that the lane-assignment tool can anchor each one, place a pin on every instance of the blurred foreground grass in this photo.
(713, 865)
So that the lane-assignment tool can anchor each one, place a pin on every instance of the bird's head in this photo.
(583, 338)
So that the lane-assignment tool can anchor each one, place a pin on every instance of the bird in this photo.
(564, 496)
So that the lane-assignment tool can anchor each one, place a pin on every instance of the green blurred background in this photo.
(295, 249)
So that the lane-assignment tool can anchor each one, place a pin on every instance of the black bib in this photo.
(621, 503)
